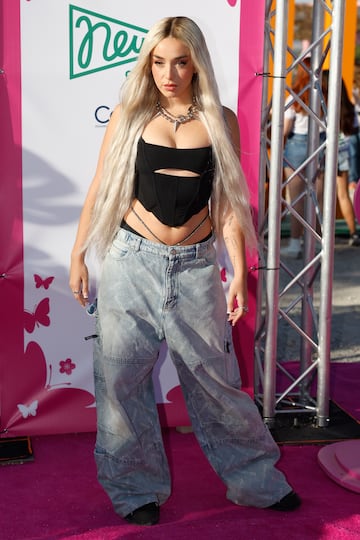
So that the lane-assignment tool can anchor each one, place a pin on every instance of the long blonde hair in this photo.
(138, 101)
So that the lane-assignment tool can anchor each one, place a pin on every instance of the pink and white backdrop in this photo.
(62, 67)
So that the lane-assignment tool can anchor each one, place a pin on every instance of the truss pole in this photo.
(315, 327)
(262, 182)
(274, 233)
(306, 349)
(326, 279)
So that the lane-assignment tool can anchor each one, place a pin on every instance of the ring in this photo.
(76, 292)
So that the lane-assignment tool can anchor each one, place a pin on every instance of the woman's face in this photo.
(172, 69)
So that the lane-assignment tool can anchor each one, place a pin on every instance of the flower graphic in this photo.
(66, 366)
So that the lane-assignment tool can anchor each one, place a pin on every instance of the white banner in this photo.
(75, 56)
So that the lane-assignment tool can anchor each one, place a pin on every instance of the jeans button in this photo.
(173, 251)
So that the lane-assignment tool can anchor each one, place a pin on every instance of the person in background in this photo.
(296, 125)
(354, 145)
(168, 181)
(348, 129)
(356, 99)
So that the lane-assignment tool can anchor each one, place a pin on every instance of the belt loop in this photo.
(137, 243)
(201, 249)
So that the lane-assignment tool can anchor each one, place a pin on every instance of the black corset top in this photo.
(173, 199)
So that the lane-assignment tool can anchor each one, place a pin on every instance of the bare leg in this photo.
(295, 188)
(345, 203)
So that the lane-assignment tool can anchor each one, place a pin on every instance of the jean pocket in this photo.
(119, 249)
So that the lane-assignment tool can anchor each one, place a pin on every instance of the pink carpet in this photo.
(57, 496)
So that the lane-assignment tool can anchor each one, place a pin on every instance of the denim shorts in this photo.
(296, 150)
(343, 155)
(354, 156)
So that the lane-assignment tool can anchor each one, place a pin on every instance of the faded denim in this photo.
(149, 293)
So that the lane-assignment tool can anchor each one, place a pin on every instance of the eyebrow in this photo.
(177, 58)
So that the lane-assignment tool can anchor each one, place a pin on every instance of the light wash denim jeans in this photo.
(149, 293)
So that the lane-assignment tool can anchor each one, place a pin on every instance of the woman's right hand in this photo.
(79, 281)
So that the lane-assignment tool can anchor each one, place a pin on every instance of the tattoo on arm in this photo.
(233, 241)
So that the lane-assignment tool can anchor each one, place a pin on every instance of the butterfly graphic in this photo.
(39, 316)
(63, 409)
(30, 410)
(40, 282)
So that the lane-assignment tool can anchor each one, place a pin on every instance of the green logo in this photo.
(98, 42)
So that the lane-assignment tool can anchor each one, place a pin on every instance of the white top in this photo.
(300, 120)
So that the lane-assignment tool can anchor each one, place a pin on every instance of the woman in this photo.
(348, 128)
(168, 178)
(296, 126)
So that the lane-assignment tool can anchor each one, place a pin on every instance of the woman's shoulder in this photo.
(111, 126)
(231, 121)
(229, 114)
(231, 118)
(289, 107)
(114, 118)
(116, 111)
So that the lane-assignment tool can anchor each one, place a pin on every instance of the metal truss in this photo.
(297, 295)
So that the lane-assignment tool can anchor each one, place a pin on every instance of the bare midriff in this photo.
(168, 235)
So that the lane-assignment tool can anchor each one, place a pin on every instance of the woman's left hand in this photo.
(237, 304)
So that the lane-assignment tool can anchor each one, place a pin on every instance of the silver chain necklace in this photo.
(176, 120)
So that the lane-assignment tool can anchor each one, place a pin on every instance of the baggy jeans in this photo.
(149, 293)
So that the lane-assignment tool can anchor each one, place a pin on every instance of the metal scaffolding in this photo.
(297, 295)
